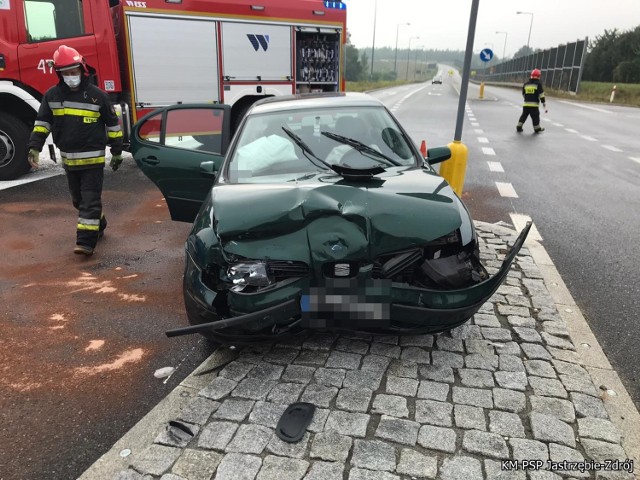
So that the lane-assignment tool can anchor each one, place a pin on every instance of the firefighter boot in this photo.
(519, 128)
(83, 250)
(538, 129)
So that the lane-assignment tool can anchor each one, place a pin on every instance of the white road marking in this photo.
(495, 167)
(520, 221)
(31, 177)
(558, 124)
(483, 140)
(478, 130)
(588, 107)
(612, 148)
(571, 130)
(506, 190)
(635, 159)
(488, 151)
(475, 124)
(587, 137)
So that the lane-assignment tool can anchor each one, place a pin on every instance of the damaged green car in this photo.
(319, 213)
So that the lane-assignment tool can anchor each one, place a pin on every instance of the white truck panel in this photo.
(174, 60)
(233, 93)
(252, 50)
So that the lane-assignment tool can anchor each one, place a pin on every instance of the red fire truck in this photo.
(154, 53)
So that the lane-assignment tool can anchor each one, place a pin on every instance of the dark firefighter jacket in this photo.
(533, 93)
(82, 123)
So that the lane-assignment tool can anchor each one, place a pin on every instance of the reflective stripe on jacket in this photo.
(82, 123)
(533, 93)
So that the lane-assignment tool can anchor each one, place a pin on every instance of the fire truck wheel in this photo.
(14, 135)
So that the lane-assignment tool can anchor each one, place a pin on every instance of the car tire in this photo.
(14, 135)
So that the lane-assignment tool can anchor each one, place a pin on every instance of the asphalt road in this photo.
(579, 182)
(81, 338)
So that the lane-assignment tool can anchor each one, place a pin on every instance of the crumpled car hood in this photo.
(329, 218)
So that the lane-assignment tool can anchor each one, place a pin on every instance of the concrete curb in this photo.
(142, 434)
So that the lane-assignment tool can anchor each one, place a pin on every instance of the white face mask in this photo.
(73, 80)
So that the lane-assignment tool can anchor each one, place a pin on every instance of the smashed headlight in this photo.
(249, 274)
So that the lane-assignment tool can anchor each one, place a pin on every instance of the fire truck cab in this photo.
(154, 53)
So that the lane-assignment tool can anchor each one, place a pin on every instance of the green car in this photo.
(319, 213)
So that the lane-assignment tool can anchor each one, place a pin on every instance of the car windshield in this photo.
(289, 145)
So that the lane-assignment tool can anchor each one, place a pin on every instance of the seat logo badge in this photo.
(341, 270)
(259, 41)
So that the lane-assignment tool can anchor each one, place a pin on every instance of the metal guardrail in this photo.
(561, 67)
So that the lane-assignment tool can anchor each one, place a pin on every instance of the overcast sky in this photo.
(443, 24)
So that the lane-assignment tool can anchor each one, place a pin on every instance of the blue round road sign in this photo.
(486, 55)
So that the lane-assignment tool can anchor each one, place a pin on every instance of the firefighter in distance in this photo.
(533, 95)
(83, 122)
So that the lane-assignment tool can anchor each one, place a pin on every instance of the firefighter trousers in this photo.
(535, 117)
(86, 194)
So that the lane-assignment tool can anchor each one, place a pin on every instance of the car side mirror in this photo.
(208, 169)
(438, 154)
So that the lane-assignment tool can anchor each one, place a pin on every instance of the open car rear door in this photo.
(180, 148)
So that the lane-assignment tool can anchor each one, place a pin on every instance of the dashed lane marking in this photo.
(488, 151)
(475, 124)
(495, 167)
(635, 159)
(588, 107)
(506, 190)
(571, 130)
(612, 148)
(519, 222)
(483, 140)
(478, 130)
(556, 124)
(587, 137)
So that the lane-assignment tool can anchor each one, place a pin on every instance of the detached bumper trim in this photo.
(290, 307)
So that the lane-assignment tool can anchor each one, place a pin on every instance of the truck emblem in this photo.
(259, 41)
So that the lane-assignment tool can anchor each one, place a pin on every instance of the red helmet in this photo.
(535, 73)
(65, 58)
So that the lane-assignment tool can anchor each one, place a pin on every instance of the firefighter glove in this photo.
(545, 109)
(116, 160)
(34, 157)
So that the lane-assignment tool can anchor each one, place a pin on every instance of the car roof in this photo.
(314, 100)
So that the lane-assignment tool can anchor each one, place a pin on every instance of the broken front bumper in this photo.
(411, 309)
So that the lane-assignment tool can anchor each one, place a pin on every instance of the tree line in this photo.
(613, 56)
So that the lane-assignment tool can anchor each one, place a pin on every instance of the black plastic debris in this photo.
(294, 421)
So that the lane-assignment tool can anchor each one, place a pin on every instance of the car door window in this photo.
(195, 129)
(151, 128)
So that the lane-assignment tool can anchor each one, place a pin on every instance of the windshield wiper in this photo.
(359, 146)
(305, 148)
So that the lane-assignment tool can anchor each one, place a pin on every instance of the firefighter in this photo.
(533, 94)
(83, 121)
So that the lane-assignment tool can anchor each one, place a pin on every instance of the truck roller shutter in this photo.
(174, 60)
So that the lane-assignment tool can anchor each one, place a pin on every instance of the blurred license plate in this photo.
(347, 303)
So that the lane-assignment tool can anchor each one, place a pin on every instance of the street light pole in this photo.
(415, 61)
(528, 38)
(504, 49)
(373, 47)
(409, 53)
(395, 62)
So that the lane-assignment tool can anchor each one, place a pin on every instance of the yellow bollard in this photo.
(453, 170)
(481, 96)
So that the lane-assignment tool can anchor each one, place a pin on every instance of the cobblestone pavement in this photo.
(505, 386)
